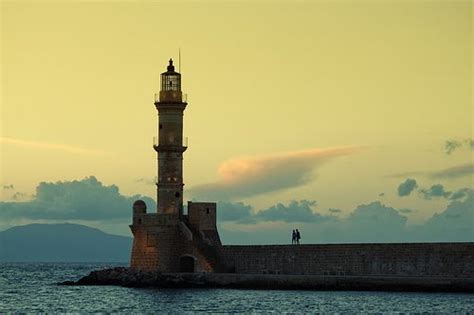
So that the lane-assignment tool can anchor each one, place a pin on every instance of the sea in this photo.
(32, 288)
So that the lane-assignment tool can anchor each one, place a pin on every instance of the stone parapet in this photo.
(404, 259)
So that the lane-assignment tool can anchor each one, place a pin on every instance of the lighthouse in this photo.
(168, 239)
(170, 148)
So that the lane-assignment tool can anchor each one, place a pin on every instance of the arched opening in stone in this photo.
(186, 264)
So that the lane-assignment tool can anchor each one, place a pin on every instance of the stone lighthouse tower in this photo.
(170, 148)
(170, 240)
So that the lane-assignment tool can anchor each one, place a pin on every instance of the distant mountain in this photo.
(62, 243)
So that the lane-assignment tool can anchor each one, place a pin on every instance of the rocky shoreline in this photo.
(126, 277)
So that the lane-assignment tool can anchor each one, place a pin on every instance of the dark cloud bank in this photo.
(88, 200)
(372, 222)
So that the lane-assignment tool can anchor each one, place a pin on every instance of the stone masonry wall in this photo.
(202, 215)
(159, 243)
(154, 248)
(407, 259)
(160, 248)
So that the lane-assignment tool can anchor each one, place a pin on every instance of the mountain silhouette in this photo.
(62, 243)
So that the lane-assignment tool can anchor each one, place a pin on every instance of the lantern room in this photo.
(170, 80)
(170, 86)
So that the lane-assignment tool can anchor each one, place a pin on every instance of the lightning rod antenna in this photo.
(179, 60)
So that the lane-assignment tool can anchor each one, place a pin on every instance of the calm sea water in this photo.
(30, 287)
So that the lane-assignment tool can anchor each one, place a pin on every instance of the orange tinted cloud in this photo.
(254, 175)
(50, 146)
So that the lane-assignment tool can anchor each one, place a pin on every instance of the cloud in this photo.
(446, 173)
(455, 223)
(302, 212)
(86, 199)
(452, 145)
(250, 176)
(459, 194)
(405, 188)
(461, 211)
(295, 211)
(19, 196)
(8, 192)
(406, 211)
(51, 146)
(146, 180)
(435, 191)
(454, 172)
(470, 143)
(237, 212)
(377, 214)
(373, 222)
(438, 191)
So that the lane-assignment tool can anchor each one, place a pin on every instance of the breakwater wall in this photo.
(392, 259)
(130, 278)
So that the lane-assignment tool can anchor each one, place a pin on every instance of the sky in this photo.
(350, 120)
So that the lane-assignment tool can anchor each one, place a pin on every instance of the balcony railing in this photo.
(184, 97)
(156, 141)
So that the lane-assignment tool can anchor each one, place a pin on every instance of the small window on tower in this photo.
(207, 210)
(177, 195)
(161, 126)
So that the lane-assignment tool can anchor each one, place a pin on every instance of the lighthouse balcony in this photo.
(171, 97)
(179, 147)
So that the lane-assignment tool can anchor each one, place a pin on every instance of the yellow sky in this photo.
(261, 78)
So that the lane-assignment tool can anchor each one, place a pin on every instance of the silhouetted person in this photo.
(298, 237)
(293, 237)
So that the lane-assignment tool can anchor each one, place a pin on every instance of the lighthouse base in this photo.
(174, 243)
